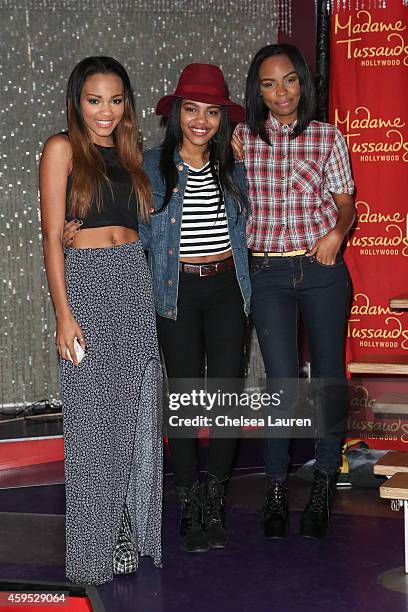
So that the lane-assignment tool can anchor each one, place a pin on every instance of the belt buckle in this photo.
(202, 268)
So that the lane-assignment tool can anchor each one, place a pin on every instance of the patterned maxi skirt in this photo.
(112, 412)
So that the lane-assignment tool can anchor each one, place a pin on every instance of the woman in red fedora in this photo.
(199, 261)
(198, 257)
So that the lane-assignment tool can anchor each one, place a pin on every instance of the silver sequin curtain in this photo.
(40, 43)
(357, 5)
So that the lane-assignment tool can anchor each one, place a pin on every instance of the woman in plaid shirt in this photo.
(300, 189)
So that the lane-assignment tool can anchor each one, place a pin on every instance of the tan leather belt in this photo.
(207, 269)
(284, 254)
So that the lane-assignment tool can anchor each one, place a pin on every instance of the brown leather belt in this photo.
(207, 269)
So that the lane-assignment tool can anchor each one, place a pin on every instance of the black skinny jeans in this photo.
(210, 321)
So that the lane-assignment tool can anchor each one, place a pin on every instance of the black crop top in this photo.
(118, 205)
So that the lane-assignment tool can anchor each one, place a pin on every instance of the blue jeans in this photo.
(283, 290)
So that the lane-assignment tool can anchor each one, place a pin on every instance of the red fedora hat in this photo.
(202, 83)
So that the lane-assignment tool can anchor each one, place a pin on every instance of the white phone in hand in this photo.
(79, 351)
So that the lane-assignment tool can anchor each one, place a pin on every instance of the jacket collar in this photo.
(178, 159)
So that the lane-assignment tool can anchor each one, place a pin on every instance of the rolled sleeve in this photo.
(239, 131)
(338, 177)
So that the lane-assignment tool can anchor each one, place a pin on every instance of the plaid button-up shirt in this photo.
(290, 184)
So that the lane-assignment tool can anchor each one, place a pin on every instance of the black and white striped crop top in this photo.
(204, 226)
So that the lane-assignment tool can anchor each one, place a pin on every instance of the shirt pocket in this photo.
(158, 222)
(158, 199)
(306, 177)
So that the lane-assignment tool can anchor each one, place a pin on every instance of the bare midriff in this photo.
(104, 237)
(207, 258)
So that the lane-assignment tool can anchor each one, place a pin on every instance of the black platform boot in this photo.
(316, 515)
(214, 513)
(193, 536)
(276, 510)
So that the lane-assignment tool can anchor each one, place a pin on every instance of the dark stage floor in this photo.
(294, 575)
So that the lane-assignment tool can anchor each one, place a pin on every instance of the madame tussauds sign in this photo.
(370, 109)
(379, 232)
(376, 137)
(375, 42)
(376, 325)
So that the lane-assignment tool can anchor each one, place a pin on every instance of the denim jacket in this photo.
(161, 237)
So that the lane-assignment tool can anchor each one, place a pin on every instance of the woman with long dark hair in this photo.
(300, 188)
(199, 262)
(105, 327)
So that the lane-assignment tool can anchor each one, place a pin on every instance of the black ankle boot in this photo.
(276, 510)
(316, 515)
(193, 537)
(214, 513)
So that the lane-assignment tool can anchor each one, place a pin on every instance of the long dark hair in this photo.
(221, 155)
(257, 111)
(88, 166)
